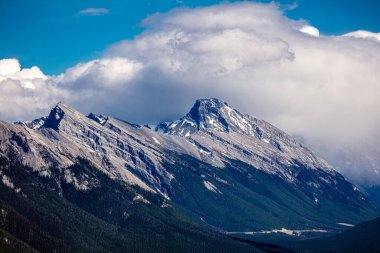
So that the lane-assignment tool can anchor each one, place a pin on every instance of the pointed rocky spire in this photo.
(55, 117)
(209, 114)
(53, 120)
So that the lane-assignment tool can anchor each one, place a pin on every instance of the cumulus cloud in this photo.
(311, 30)
(364, 35)
(101, 72)
(11, 69)
(100, 85)
(94, 11)
(323, 88)
(24, 93)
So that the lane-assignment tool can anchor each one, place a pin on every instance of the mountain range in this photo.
(97, 183)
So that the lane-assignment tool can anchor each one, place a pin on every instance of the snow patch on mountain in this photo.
(345, 224)
(211, 187)
(155, 139)
(140, 198)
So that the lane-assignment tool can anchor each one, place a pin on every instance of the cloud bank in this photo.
(24, 92)
(364, 35)
(323, 88)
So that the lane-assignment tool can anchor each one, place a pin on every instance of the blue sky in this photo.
(54, 35)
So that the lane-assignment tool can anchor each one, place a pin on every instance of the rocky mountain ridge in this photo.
(220, 150)
(212, 131)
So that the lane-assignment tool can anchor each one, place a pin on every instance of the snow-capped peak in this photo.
(225, 133)
(209, 114)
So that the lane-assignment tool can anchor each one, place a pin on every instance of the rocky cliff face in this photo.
(221, 132)
(113, 146)
(212, 134)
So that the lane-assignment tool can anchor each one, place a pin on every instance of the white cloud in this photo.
(101, 72)
(311, 30)
(9, 67)
(28, 93)
(24, 93)
(94, 11)
(364, 35)
(322, 88)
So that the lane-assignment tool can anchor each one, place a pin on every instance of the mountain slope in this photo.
(224, 169)
(362, 238)
(240, 198)
(221, 133)
(373, 194)
(253, 176)
(50, 215)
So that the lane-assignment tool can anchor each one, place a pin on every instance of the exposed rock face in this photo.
(115, 147)
(212, 131)
(55, 117)
(212, 135)
(98, 118)
(221, 132)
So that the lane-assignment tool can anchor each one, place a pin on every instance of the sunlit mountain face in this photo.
(228, 173)
(189, 126)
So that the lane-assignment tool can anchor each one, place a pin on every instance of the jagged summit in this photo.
(55, 116)
(213, 113)
(60, 112)
(212, 131)
(209, 114)
(222, 132)
(53, 120)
